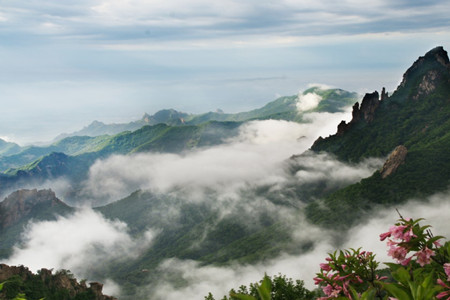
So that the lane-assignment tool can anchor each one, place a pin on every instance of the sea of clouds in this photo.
(261, 155)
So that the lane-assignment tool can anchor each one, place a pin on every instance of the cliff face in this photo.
(382, 122)
(394, 160)
(22, 203)
(46, 284)
(364, 113)
(431, 62)
(415, 116)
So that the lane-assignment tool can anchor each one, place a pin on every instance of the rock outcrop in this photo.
(47, 282)
(395, 159)
(21, 204)
(436, 56)
(365, 112)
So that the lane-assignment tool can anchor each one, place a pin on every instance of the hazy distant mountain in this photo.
(96, 128)
(286, 108)
(413, 125)
(283, 108)
(174, 132)
(86, 150)
(8, 148)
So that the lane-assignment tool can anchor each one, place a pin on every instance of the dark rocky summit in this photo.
(434, 57)
(425, 80)
(365, 112)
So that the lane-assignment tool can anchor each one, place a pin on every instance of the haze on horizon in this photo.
(65, 64)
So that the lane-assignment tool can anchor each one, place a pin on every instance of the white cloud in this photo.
(256, 157)
(82, 243)
(219, 280)
(323, 167)
(308, 101)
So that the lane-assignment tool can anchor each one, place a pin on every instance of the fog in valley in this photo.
(270, 156)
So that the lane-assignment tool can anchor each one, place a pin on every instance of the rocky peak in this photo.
(61, 280)
(20, 204)
(364, 112)
(436, 58)
(395, 159)
(368, 107)
(146, 118)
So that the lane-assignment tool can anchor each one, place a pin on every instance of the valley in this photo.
(157, 206)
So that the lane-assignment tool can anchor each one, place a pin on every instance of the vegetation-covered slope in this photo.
(157, 138)
(20, 207)
(416, 116)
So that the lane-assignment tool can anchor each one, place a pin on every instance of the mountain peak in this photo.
(418, 102)
(439, 54)
(433, 60)
(22, 202)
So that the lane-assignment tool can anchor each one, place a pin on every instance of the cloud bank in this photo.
(227, 178)
(256, 157)
(307, 101)
(219, 280)
(83, 243)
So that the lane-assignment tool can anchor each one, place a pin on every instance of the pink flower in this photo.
(424, 256)
(317, 280)
(397, 231)
(391, 243)
(398, 253)
(385, 235)
(325, 267)
(437, 243)
(330, 291)
(408, 235)
(406, 261)
(444, 293)
(447, 270)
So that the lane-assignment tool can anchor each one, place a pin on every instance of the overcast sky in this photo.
(66, 63)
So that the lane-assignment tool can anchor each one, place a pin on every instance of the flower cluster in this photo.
(423, 268)
(347, 272)
(446, 293)
(407, 236)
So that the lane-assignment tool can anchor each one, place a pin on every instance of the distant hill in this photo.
(8, 148)
(174, 132)
(156, 138)
(283, 108)
(415, 122)
(96, 128)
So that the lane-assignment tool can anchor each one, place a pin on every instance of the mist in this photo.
(219, 280)
(83, 243)
(257, 156)
(270, 155)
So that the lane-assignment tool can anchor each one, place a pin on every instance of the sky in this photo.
(64, 64)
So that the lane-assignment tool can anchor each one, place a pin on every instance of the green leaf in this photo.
(396, 291)
(265, 289)
(401, 275)
(242, 296)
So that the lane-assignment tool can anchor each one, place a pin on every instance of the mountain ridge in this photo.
(415, 117)
(280, 108)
